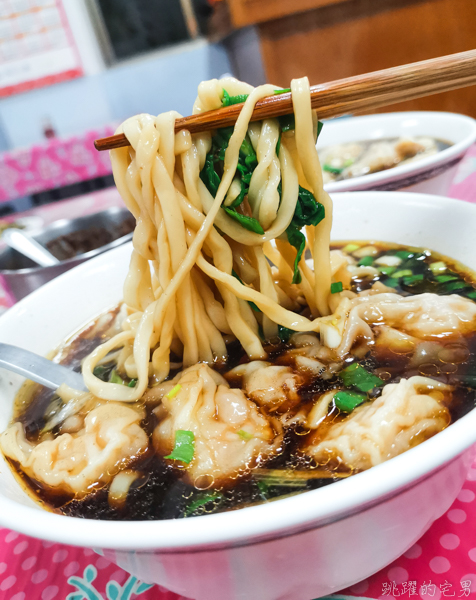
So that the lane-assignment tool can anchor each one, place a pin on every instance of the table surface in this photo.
(441, 564)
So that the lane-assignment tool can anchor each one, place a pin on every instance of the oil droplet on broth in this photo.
(429, 370)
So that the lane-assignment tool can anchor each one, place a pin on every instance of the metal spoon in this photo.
(38, 369)
(23, 243)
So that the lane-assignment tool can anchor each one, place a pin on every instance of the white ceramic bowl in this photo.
(431, 175)
(293, 549)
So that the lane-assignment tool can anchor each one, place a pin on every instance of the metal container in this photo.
(20, 276)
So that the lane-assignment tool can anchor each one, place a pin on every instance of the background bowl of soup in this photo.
(297, 548)
(429, 144)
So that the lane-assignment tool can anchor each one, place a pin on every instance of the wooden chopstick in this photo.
(343, 96)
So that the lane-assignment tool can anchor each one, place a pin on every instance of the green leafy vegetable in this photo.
(413, 279)
(103, 372)
(132, 383)
(347, 401)
(296, 239)
(247, 222)
(356, 376)
(336, 287)
(307, 212)
(320, 125)
(287, 122)
(184, 448)
(365, 261)
(284, 333)
(201, 501)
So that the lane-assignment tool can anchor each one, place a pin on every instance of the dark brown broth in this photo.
(161, 492)
(339, 175)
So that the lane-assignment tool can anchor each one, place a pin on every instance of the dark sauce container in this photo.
(72, 241)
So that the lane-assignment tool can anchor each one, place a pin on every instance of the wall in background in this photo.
(154, 82)
(157, 82)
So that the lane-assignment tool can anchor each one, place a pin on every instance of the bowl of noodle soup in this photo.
(415, 151)
(276, 550)
(247, 412)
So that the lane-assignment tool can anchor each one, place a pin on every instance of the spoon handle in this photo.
(19, 241)
(39, 369)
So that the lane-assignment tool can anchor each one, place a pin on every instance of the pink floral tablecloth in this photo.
(53, 164)
(441, 564)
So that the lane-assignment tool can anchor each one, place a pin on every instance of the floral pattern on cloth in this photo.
(53, 164)
(114, 591)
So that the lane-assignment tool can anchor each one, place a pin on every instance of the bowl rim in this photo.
(255, 524)
(79, 258)
(374, 180)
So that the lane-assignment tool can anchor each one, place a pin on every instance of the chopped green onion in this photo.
(403, 273)
(347, 401)
(331, 169)
(356, 376)
(184, 448)
(229, 100)
(115, 377)
(386, 270)
(248, 223)
(350, 248)
(192, 507)
(445, 278)
(284, 333)
(453, 286)
(437, 267)
(391, 282)
(404, 254)
(132, 383)
(173, 392)
(365, 261)
(336, 287)
(245, 435)
(283, 91)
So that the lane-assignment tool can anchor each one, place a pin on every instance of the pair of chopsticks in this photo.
(343, 96)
